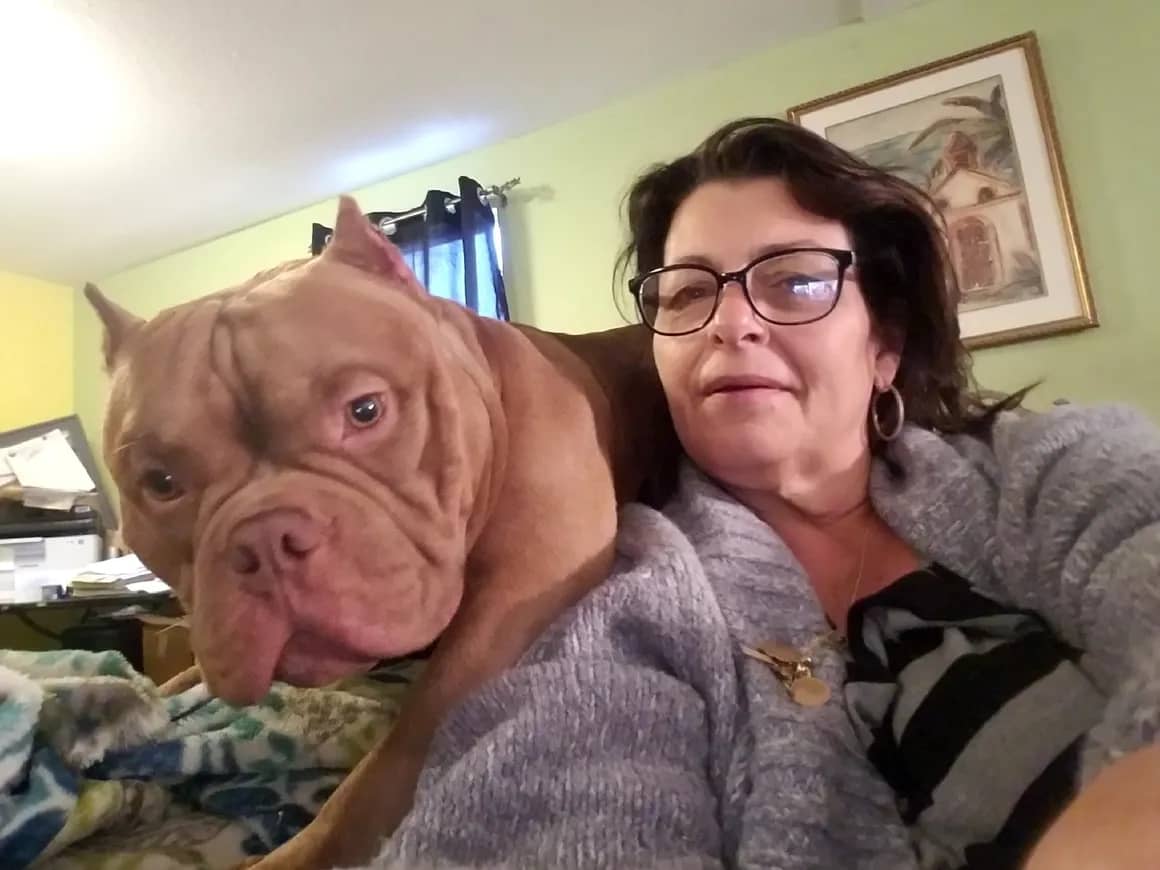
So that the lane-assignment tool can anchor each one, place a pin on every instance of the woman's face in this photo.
(807, 418)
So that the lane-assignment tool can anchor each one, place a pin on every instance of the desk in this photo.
(29, 585)
(92, 622)
(149, 600)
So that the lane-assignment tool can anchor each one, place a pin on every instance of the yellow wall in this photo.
(36, 350)
(563, 227)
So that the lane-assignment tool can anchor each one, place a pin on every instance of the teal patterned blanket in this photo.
(99, 772)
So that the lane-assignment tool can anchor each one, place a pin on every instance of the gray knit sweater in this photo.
(636, 734)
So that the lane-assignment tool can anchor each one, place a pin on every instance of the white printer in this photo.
(36, 551)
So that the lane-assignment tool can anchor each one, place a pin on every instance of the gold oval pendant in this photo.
(809, 691)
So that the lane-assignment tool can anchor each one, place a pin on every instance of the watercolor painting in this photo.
(976, 133)
(958, 146)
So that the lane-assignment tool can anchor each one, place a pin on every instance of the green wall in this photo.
(563, 226)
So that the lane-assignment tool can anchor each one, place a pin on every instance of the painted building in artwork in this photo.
(988, 225)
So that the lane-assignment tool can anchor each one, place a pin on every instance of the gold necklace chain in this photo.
(857, 581)
(793, 667)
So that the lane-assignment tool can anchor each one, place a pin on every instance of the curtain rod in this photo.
(492, 197)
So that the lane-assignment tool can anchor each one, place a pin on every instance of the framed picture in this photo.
(975, 131)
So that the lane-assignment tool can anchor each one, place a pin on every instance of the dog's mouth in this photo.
(316, 618)
(306, 660)
(312, 660)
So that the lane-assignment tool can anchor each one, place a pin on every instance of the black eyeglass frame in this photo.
(843, 258)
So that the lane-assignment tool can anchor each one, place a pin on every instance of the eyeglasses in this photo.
(789, 288)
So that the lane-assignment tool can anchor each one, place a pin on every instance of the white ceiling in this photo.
(133, 128)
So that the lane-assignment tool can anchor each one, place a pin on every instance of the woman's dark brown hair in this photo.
(904, 270)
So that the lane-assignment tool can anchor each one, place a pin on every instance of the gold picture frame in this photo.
(977, 132)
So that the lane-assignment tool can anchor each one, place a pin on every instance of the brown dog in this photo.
(332, 467)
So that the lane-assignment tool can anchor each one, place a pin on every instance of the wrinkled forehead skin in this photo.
(248, 355)
(243, 400)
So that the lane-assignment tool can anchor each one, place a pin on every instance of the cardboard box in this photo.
(165, 649)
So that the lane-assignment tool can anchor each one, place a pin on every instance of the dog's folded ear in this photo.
(358, 243)
(119, 324)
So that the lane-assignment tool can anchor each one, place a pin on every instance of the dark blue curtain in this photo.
(452, 249)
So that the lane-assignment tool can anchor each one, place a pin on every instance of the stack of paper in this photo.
(115, 576)
(46, 471)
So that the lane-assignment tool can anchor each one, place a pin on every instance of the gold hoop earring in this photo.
(900, 408)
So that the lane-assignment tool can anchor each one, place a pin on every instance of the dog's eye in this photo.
(160, 484)
(365, 411)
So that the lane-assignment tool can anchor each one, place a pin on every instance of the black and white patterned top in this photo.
(973, 711)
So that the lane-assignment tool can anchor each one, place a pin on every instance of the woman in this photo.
(882, 624)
